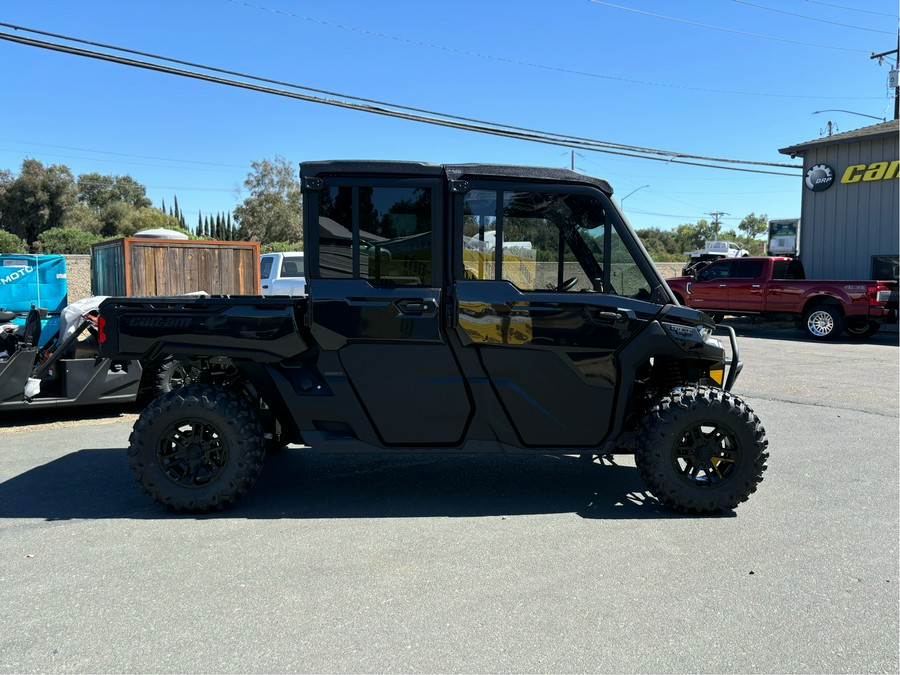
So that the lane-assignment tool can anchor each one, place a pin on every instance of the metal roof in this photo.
(888, 128)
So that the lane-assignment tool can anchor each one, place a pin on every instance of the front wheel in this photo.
(701, 450)
(198, 448)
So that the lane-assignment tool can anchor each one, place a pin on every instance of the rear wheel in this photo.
(701, 450)
(823, 322)
(198, 448)
(862, 328)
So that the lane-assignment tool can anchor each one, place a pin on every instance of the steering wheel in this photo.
(567, 285)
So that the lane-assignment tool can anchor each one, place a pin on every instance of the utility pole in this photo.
(716, 222)
(895, 76)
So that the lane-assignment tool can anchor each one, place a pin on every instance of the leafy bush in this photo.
(10, 243)
(66, 241)
(281, 246)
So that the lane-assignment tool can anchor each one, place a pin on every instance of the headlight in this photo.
(692, 336)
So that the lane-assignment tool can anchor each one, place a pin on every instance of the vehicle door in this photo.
(709, 291)
(547, 292)
(376, 271)
(267, 268)
(746, 285)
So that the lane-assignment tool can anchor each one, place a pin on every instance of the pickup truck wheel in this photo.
(823, 322)
(862, 328)
(198, 448)
(701, 450)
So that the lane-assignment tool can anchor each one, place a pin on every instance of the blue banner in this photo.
(33, 279)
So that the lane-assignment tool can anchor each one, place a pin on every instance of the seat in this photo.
(290, 269)
(32, 327)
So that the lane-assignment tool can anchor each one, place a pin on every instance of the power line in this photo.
(121, 154)
(398, 111)
(726, 30)
(528, 64)
(812, 18)
(852, 9)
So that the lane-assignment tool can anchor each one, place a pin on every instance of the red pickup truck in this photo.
(767, 286)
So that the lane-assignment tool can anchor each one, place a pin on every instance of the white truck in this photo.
(714, 250)
(282, 274)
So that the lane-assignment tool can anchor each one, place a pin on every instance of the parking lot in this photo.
(471, 563)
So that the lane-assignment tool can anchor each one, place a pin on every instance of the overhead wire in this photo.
(811, 18)
(852, 9)
(389, 109)
(726, 30)
(529, 64)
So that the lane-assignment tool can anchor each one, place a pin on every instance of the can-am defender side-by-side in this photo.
(459, 308)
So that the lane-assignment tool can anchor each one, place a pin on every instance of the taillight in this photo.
(101, 330)
(881, 295)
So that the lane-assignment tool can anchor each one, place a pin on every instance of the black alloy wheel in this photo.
(701, 450)
(198, 448)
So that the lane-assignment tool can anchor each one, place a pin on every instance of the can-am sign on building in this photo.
(850, 203)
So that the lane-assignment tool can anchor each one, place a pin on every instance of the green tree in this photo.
(36, 200)
(99, 191)
(148, 218)
(272, 212)
(10, 243)
(84, 218)
(754, 225)
(115, 217)
(66, 241)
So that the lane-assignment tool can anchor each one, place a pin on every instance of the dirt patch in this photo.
(36, 420)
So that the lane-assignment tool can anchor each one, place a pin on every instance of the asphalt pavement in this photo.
(471, 563)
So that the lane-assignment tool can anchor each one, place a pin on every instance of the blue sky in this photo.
(724, 78)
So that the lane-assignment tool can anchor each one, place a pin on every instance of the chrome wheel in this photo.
(820, 323)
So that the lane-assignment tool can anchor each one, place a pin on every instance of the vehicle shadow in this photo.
(96, 483)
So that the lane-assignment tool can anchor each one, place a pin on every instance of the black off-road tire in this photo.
(860, 329)
(172, 374)
(198, 448)
(701, 450)
(823, 322)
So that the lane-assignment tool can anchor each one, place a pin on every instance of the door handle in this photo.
(755, 286)
(723, 285)
(612, 317)
(415, 306)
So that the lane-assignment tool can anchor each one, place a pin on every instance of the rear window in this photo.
(788, 269)
(292, 267)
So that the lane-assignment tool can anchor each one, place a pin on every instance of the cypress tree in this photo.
(163, 209)
(177, 215)
(200, 224)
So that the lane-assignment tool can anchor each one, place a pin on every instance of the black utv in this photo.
(455, 308)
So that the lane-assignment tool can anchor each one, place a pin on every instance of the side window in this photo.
(265, 266)
(715, 271)
(541, 241)
(749, 269)
(480, 234)
(336, 233)
(625, 276)
(393, 243)
(395, 232)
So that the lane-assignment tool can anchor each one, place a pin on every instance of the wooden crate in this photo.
(136, 266)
